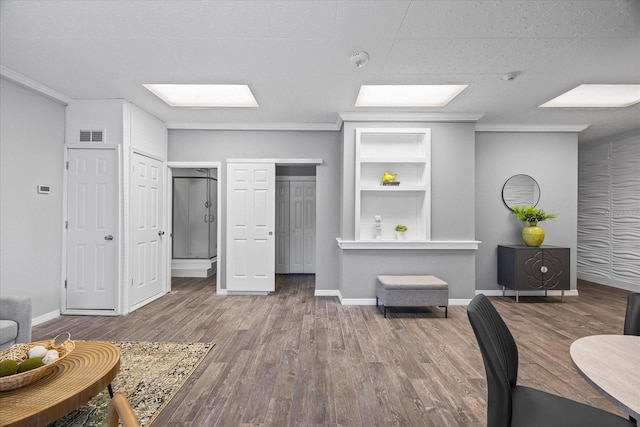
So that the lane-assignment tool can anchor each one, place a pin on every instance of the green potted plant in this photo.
(532, 234)
(401, 229)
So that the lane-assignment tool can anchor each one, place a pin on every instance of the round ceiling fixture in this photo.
(510, 76)
(360, 59)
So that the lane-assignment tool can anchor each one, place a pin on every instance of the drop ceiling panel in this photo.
(135, 19)
(575, 18)
(301, 20)
(295, 54)
(596, 59)
(379, 20)
(413, 56)
(511, 19)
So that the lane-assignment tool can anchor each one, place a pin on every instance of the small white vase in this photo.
(401, 235)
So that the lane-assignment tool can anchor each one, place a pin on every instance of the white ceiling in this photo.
(295, 55)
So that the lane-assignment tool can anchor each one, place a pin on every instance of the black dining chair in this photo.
(509, 404)
(632, 317)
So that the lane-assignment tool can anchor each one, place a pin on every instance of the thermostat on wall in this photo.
(44, 189)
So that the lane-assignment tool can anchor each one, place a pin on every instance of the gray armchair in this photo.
(15, 320)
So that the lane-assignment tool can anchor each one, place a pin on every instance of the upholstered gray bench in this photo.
(412, 291)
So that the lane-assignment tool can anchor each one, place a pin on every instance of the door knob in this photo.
(109, 237)
(160, 233)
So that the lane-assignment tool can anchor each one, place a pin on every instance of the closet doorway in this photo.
(295, 230)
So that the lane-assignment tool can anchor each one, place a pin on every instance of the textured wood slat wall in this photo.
(294, 359)
(609, 210)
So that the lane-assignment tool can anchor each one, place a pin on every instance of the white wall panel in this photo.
(609, 210)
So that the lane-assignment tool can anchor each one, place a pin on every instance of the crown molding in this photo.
(253, 126)
(407, 117)
(26, 82)
(481, 127)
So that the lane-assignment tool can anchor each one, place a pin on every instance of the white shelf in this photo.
(408, 244)
(386, 160)
(393, 188)
(407, 153)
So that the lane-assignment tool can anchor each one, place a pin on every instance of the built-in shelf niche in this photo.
(407, 153)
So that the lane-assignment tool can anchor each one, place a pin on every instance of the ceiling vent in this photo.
(92, 136)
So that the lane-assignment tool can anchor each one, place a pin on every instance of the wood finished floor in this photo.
(294, 359)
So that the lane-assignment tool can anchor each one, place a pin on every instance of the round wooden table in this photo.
(84, 373)
(611, 363)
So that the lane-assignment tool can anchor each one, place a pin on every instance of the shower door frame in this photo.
(169, 211)
(210, 216)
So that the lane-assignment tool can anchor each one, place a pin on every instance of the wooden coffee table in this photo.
(84, 373)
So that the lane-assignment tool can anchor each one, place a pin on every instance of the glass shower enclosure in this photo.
(194, 214)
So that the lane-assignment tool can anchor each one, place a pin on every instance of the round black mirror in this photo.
(520, 190)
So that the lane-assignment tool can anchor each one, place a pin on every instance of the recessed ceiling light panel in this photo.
(204, 95)
(407, 95)
(597, 96)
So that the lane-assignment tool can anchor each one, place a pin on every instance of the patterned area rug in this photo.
(150, 375)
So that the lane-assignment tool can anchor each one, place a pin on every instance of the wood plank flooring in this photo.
(294, 359)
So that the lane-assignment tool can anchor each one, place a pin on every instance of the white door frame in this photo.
(119, 228)
(278, 162)
(169, 212)
(221, 288)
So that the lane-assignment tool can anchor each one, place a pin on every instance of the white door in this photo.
(147, 241)
(250, 227)
(92, 229)
(303, 227)
(282, 227)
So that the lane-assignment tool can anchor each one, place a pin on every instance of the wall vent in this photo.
(91, 135)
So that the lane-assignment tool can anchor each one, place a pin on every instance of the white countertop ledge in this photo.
(409, 244)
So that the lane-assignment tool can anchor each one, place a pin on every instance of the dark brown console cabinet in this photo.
(534, 269)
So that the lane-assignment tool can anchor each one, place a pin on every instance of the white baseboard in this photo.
(327, 293)
(462, 301)
(606, 281)
(344, 301)
(369, 301)
(45, 317)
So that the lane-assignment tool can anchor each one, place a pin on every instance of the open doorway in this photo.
(193, 214)
(295, 231)
(194, 246)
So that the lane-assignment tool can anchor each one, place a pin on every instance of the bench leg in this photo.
(446, 310)
(385, 308)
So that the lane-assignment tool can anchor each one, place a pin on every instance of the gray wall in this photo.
(31, 141)
(452, 215)
(552, 160)
(218, 146)
(452, 175)
(609, 211)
